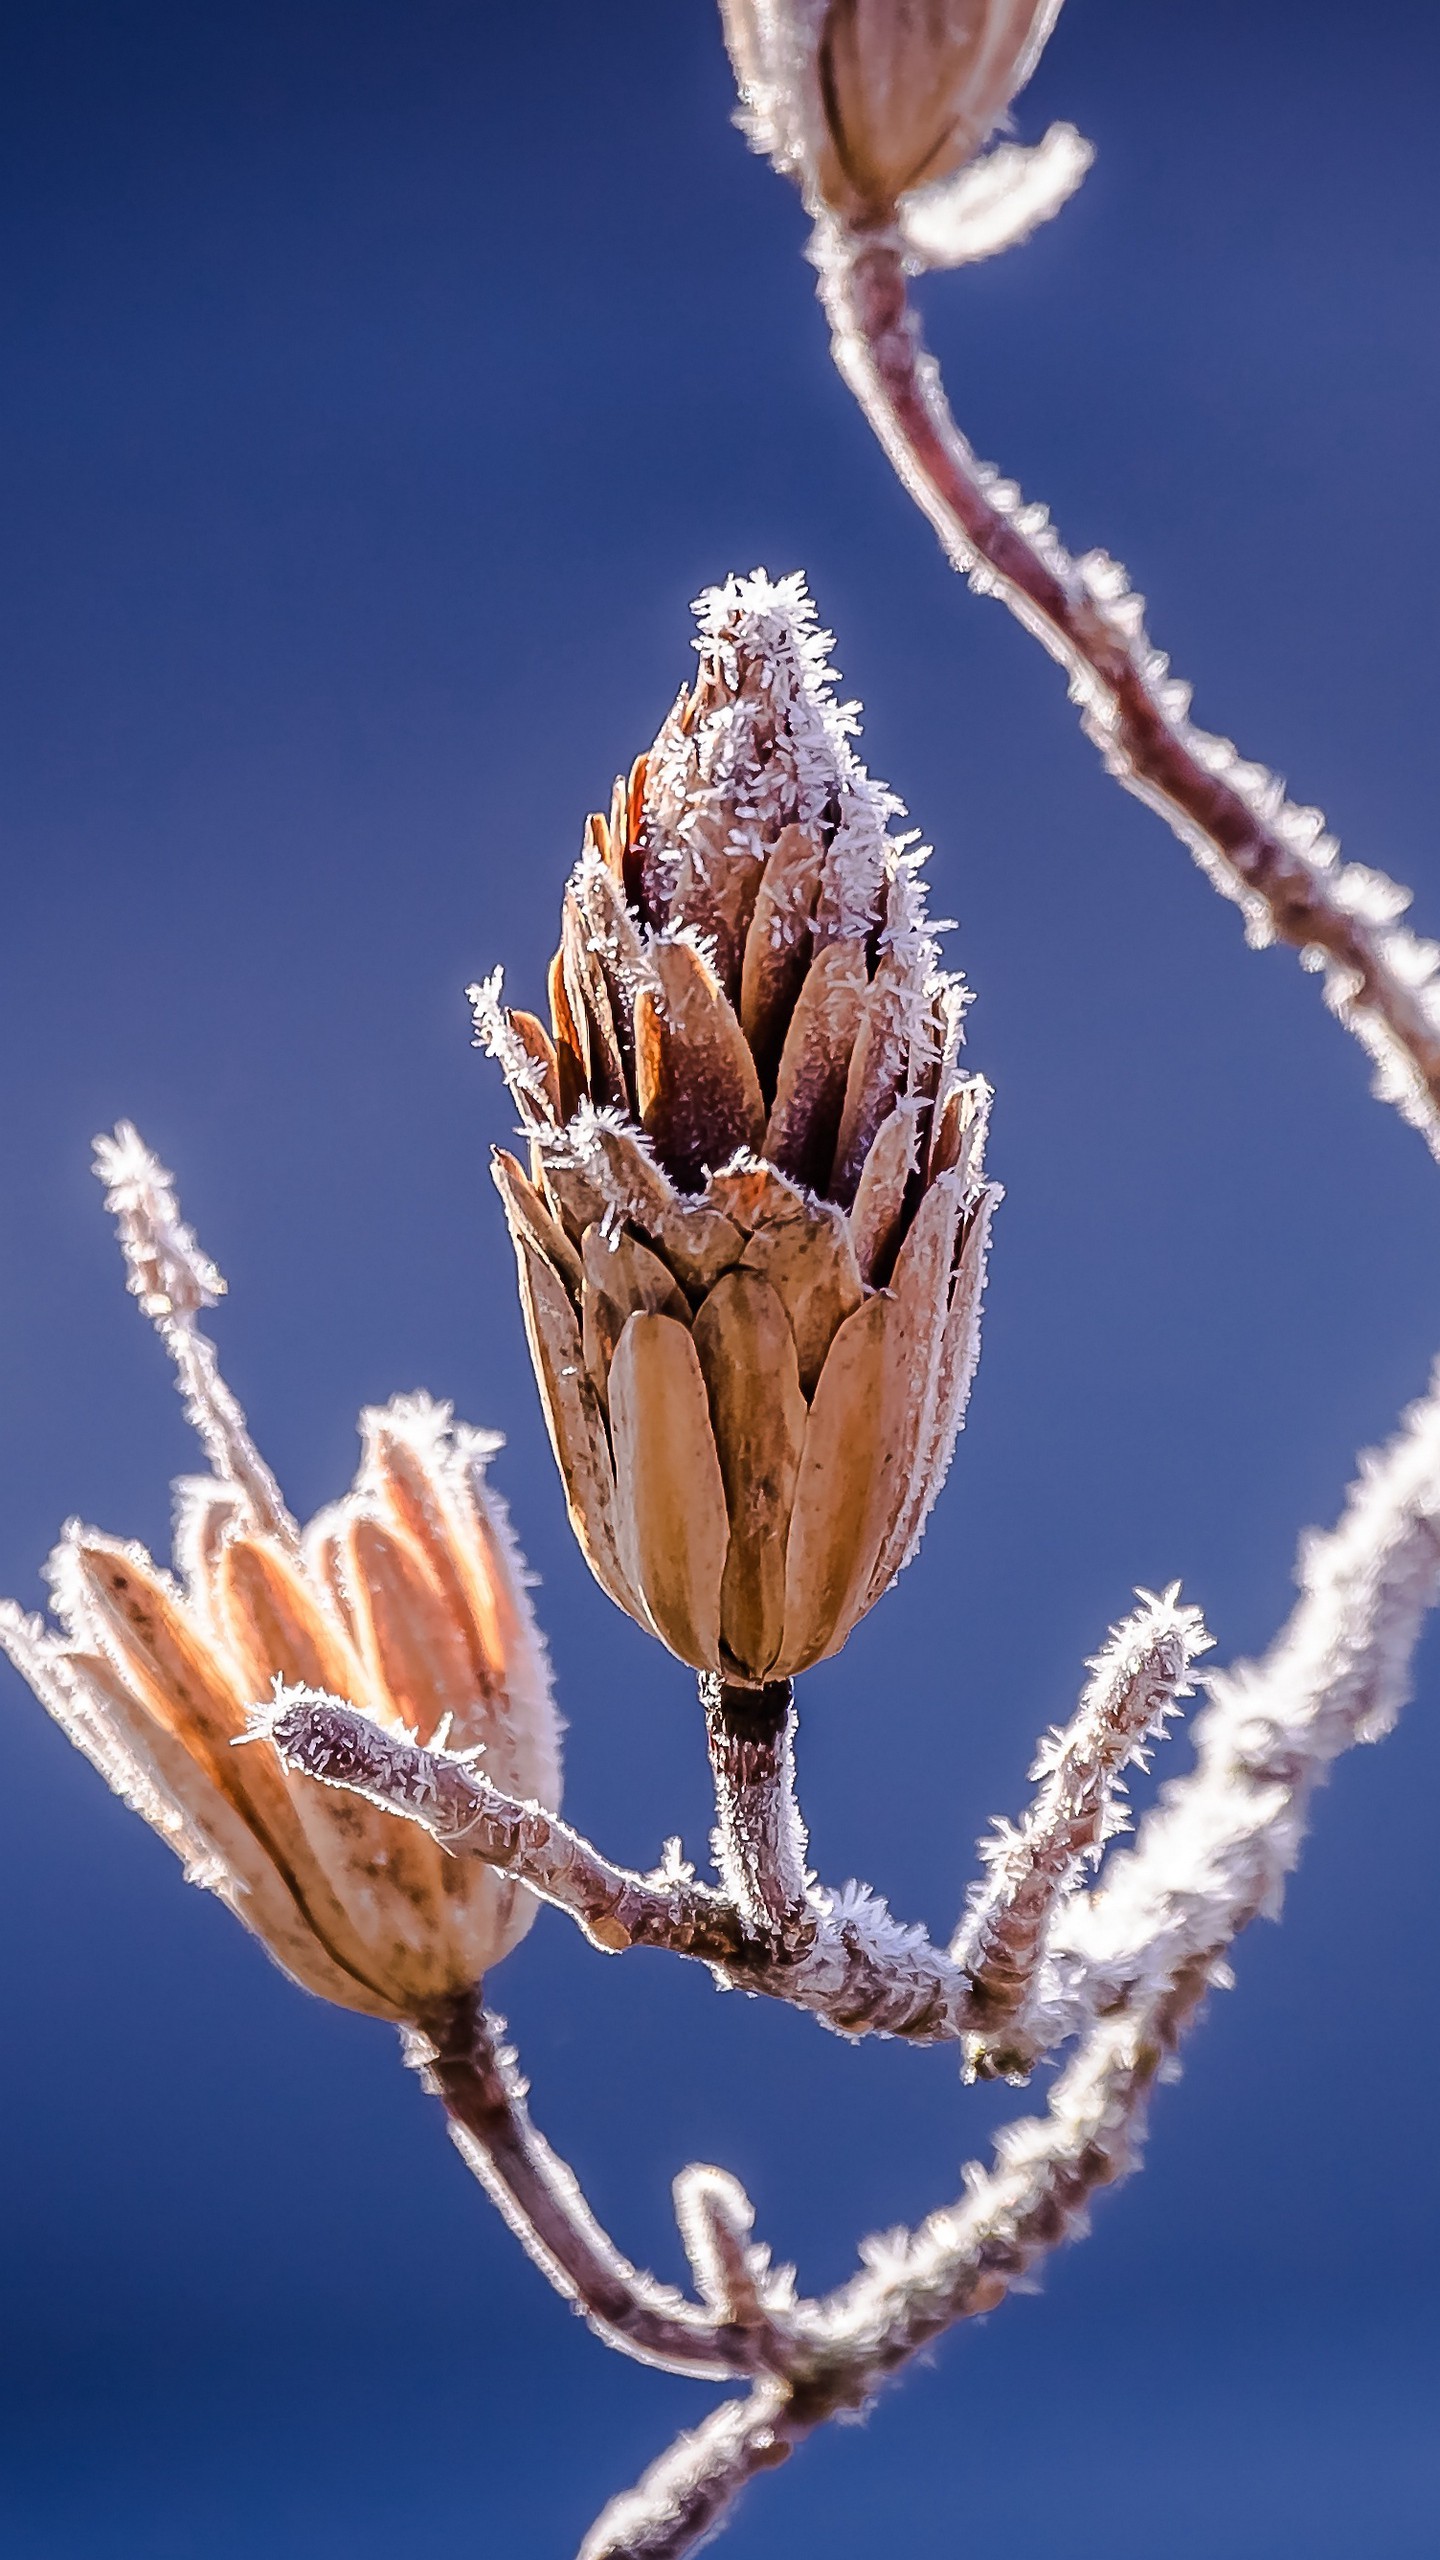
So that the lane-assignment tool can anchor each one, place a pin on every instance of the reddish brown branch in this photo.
(458, 2052)
(1271, 857)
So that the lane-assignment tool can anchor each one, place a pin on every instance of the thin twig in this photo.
(1136, 1682)
(1272, 857)
(960, 2263)
(174, 1282)
(863, 1972)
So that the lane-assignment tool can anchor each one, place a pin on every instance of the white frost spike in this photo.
(1135, 1682)
(1217, 1848)
(996, 202)
(165, 1267)
(174, 1281)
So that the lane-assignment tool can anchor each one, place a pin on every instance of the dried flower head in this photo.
(751, 1239)
(865, 101)
(407, 1597)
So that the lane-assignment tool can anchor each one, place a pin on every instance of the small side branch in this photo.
(861, 1972)
(1274, 859)
(174, 1282)
(1136, 1683)
(448, 1796)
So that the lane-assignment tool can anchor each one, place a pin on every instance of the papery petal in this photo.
(670, 1496)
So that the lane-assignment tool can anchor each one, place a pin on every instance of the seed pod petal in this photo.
(835, 1527)
(697, 1091)
(810, 1085)
(621, 1275)
(576, 1424)
(674, 1529)
(809, 1260)
(571, 1041)
(957, 1143)
(588, 998)
(404, 1470)
(275, 1626)
(614, 940)
(414, 1653)
(777, 945)
(535, 1040)
(877, 1068)
(747, 1353)
(864, 100)
(880, 1193)
(160, 1778)
(527, 1210)
(193, 1696)
(920, 1291)
(573, 1198)
(429, 1479)
(955, 1372)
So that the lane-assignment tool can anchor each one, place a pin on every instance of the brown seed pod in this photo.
(752, 1249)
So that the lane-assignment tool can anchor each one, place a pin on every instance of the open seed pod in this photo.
(863, 101)
(406, 1598)
(752, 1231)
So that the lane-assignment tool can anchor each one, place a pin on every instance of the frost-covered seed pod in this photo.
(862, 101)
(751, 1236)
(406, 1598)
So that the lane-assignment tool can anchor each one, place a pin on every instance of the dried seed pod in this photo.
(742, 1300)
(407, 1598)
(862, 101)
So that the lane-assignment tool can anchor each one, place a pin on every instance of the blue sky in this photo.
(382, 382)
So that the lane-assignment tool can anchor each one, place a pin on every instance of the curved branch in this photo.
(461, 2060)
(1273, 858)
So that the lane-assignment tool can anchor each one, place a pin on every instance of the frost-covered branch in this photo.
(1210, 1858)
(1136, 1683)
(174, 1281)
(843, 1957)
(1275, 859)
(448, 1795)
(684, 2498)
(759, 1839)
(462, 2061)
(862, 1972)
(1217, 1848)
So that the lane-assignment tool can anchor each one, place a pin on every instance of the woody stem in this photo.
(456, 2048)
(760, 1838)
(1235, 823)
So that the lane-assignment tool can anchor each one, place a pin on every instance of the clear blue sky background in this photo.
(381, 382)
